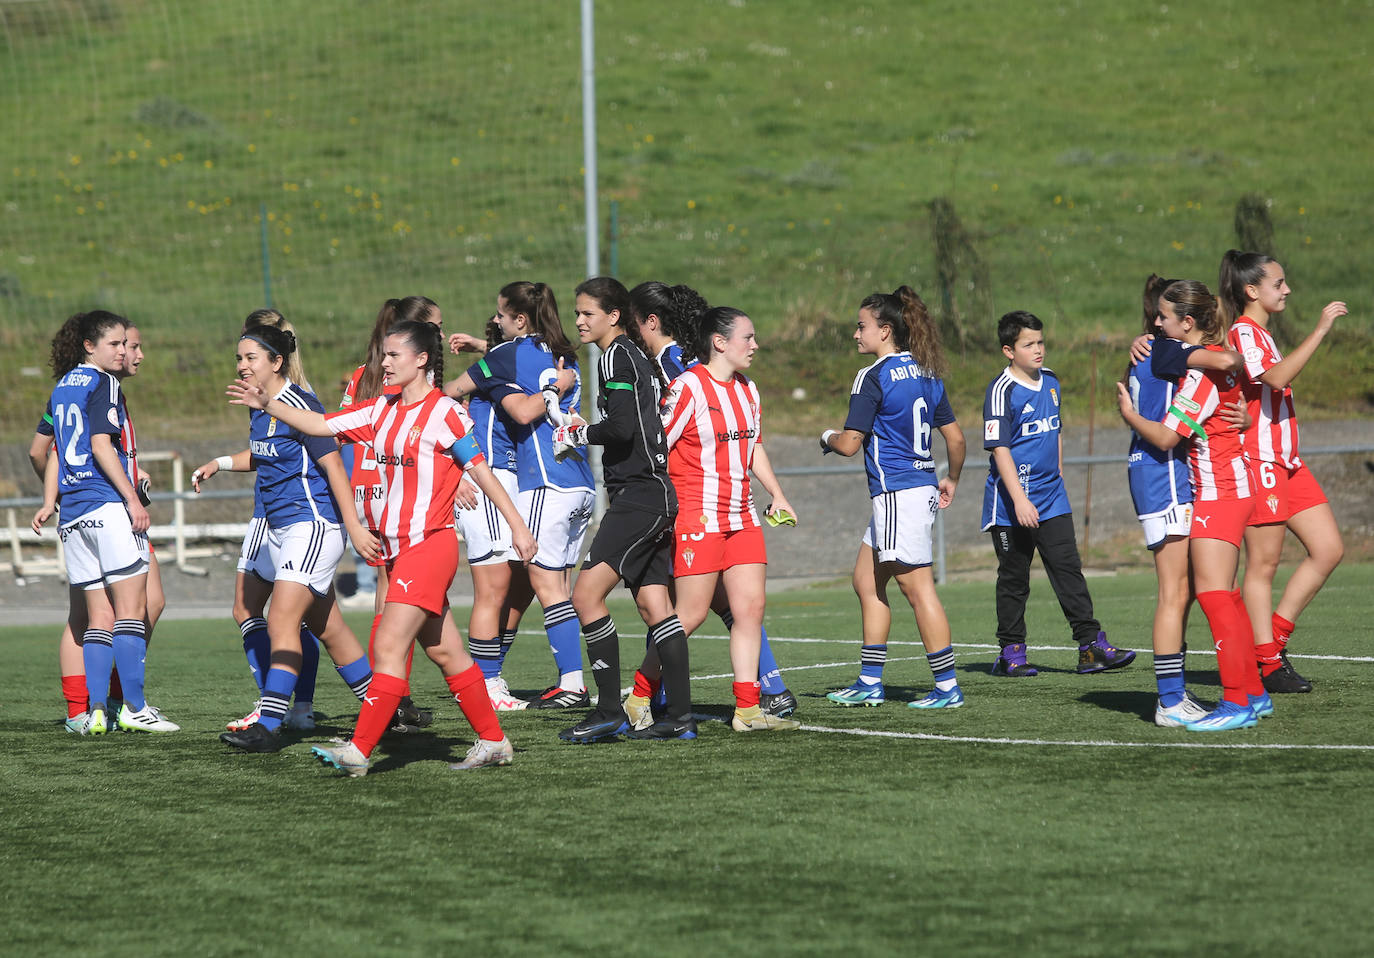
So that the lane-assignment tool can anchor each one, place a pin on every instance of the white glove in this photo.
(567, 440)
(550, 394)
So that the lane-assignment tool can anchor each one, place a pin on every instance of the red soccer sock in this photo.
(746, 694)
(1283, 630)
(1252, 685)
(469, 687)
(74, 691)
(645, 688)
(1267, 655)
(116, 687)
(379, 708)
(1234, 641)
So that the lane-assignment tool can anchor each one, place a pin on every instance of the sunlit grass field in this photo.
(1049, 816)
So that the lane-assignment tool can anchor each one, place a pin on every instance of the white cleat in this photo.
(238, 725)
(146, 719)
(76, 724)
(502, 699)
(1181, 714)
(343, 755)
(485, 753)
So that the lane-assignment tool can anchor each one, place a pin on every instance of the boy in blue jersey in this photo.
(1025, 504)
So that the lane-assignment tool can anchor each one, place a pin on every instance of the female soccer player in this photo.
(664, 314)
(555, 496)
(422, 443)
(103, 522)
(634, 541)
(1252, 289)
(69, 654)
(251, 592)
(1163, 496)
(1223, 497)
(894, 407)
(300, 481)
(714, 435)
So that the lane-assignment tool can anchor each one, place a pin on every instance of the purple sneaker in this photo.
(1012, 661)
(1099, 655)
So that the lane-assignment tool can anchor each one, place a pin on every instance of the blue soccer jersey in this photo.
(1158, 478)
(672, 362)
(1024, 419)
(493, 432)
(897, 405)
(85, 401)
(526, 365)
(290, 486)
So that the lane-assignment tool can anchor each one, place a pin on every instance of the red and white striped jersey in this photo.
(1217, 459)
(415, 447)
(712, 428)
(128, 441)
(1274, 436)
(368, 492)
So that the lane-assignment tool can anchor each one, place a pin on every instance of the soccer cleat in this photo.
(1285, 679)
(344, 756)
(300, 716)
(638, 711)
(596, 727)
(146, 719)
(935, 699)
(859, 693)
(1180, 714)
(238, 725)
(484, 753)
(782, 705)
(754, 719)
(502, 699)
(666, 730)
(1261, 705)
(1225, 717)
(1011, 661)
(76, 724)
(95, 722)
(255, 738)
(410, 717)
(1099, 655)
(554, 697)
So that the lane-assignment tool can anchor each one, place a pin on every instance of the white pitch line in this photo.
(1103, 743)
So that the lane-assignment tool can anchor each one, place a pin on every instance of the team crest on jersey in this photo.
(1253, 354)
(991, 429)
(688, 554)
(414, 435)
(272, 426)
(1054, 394)
(1273, 503)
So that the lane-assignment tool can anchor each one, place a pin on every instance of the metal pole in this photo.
(590, 411)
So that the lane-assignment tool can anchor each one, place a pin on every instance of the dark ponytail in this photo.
(1238, 270)
(537, 302)
(905, 313)
(423, 337)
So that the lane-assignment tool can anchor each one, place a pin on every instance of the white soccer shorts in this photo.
(304, 552)
(485, 531)
(1174, 521)
(900, 528)
(101, 548)
(558, 520)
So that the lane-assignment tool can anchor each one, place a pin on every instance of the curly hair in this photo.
(68, 348)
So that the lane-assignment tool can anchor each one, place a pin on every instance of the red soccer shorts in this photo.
(1223, 519)
(1282, 493)
(698, 553)
(421, 575)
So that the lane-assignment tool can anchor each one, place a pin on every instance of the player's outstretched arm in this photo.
(253, 396)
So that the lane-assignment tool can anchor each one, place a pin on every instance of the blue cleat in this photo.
(1261, 705)
(1225, 717)
(860, 693)
(936, 699)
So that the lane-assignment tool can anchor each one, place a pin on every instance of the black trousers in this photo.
(1015, 546)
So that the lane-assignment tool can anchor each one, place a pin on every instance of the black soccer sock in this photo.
(671, 643)
(603, 652)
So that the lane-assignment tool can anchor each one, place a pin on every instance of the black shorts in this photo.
(636, 544)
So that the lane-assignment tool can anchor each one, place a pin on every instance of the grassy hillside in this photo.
(783, 157)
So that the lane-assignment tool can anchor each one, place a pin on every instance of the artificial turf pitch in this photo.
(1047, 816)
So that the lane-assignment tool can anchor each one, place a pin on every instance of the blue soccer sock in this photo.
(507, 640)
(257, 647)
(310, 666)
(276, 697)
(97, 655)
(942, 667)
(358, 675)
(560, 622)
(487, 654)
(130, 647)
(872, 658)
(1169, 678)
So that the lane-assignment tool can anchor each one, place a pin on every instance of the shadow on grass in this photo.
(1128, 702)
